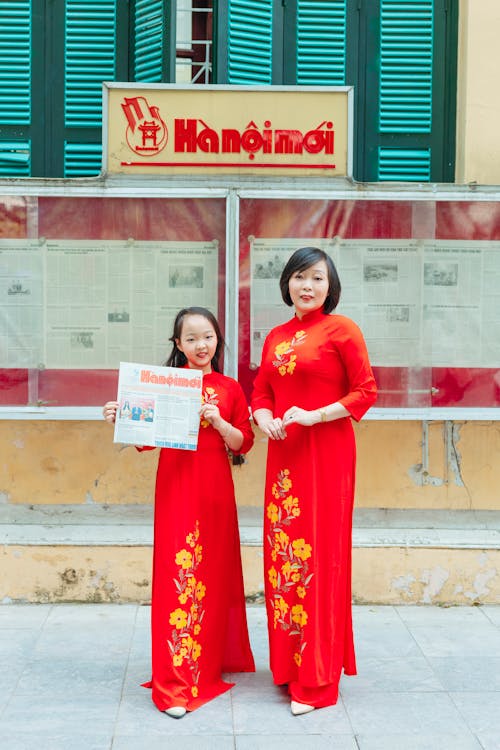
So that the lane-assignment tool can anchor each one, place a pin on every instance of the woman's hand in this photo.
(211, 413)
(109, 411)
(272, 427)
(296, 415)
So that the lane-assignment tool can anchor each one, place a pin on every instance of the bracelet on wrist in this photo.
(323, 415)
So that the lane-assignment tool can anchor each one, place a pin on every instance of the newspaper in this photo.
(419, 303)
(21, 309)
(158, 406)
(91, 303)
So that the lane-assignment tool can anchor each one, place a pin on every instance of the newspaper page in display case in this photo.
(158, 406)
(433, 303)
(87, 304)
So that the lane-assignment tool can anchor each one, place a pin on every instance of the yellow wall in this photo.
(400, 465)
(478, 104)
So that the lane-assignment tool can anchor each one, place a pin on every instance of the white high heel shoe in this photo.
(176, 712)
(300, 708)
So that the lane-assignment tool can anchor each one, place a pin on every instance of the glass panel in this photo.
(101, 285)
(421, 278)
(376, 248)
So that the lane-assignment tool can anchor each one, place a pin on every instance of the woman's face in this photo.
(309, 288)
(198, 342)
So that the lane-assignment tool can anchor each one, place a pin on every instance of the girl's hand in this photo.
(109, 411)
(296, 415)
(211, 413)
(273, 428)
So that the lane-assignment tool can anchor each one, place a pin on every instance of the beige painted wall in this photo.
(400, 465)
(478, 103)
(382, 575)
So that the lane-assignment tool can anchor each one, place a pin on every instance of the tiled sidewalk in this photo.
(429, 679)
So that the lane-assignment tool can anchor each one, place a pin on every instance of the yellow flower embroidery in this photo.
(184, 649)
(285, 360)
(178, 618)
(282, 539)
(293, 579)
(280, 606)
(299, 615)
(272, 512)
(209, 396)
(273, 576)
(282, 348)
(301, 549)
(184, 558)
(286, 569)
(289, 502)
(200, 591)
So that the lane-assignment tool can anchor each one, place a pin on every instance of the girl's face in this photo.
(309, 288)
(198, 342)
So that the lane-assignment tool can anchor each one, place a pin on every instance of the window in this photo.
(400, 58)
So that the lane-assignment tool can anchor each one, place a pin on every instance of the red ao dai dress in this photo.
(198, 618)
(309, 495)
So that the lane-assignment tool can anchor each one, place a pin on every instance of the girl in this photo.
(198, 618)
(315, 375)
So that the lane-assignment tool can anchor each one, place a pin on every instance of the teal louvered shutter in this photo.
(250, 42)
(406, 99)
(89, 59)
(15, 88)
(321, 42)
(405, 93)
(149, 24)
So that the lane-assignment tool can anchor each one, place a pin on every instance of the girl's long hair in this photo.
(177, 358)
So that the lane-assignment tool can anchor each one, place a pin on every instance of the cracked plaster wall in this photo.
(400, 465)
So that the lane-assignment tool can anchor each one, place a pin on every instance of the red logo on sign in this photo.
(146, 133)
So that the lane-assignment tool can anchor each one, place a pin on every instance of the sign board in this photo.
(169, 129)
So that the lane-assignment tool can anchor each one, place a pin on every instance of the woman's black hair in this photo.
(178, 358)
(302, 259)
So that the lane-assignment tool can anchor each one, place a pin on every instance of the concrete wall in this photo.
(478, 105)
(400, 465)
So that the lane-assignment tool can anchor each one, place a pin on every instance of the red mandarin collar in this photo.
(311, 317)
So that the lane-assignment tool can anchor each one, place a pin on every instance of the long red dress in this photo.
(309, 497)
(198, 619)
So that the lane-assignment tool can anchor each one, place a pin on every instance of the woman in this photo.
(198, 619)
(314, 376)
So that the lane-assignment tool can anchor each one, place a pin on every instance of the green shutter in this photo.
(90, 45)
(15, 88)
(321, 42)
(405, 96)
(250, 41)
(149, 34)
(82, 159)
(15, 158)
(405, 86)
(406, 47)
(409, 165)
(15, 62)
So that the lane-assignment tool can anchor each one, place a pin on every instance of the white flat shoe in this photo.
(300, 708)
(176, 712)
